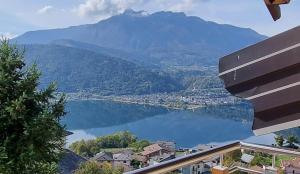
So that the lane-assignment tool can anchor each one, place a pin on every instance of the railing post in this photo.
(220, 169)
(274, 160)
(221, 160)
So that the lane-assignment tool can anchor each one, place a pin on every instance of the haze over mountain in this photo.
(166, 38)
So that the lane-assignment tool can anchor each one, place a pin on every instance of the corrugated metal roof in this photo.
(247, 158)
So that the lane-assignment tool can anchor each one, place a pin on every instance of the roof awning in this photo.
(267, 74)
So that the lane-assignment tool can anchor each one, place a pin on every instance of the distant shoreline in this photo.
(139, 103)
(136, 99)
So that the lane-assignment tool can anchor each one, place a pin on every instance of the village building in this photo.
(121, 159)
(103, 157)
(152, 150)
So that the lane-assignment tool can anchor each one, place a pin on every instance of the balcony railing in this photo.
(197, 157)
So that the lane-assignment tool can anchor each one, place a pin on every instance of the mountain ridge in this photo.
(168, 38)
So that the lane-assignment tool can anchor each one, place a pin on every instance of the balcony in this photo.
(176, 165)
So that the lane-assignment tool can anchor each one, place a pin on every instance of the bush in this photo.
(92, 167)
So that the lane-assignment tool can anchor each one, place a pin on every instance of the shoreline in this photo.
(167, 105)
(139, 103)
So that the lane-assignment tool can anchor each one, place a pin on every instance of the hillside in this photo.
(137, 58)
(78, 69)
(166, 38)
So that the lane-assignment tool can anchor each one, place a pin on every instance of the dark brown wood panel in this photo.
(272, 84)
(277, 99)
(255, 71)
(259, 86)
(267, 82)
(260, 49)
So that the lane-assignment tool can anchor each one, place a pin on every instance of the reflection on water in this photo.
(87, 119)
(95, 114)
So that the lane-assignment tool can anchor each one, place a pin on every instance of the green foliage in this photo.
(92, 167)
(118, 140)
(279, 140)
(108, 169)
(280, 158)
(139, 145)
(261, 159)
(31, 137)
(291, 140)
(231, 157)
(135, 163)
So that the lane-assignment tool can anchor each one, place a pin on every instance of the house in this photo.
(121, 159)
(200, 168)
(291, 166)
(159, 148)
(152, 150)
(103, 157)
(167, 146)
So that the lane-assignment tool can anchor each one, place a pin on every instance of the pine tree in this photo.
(31, 137)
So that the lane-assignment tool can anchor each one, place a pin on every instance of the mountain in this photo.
(167, 38)
(133, 57)
(78, 69)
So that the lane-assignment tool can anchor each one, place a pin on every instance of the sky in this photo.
(19, 16)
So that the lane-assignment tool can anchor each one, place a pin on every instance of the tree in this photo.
(279, 140)
(291, 139)
(91, 167)
(261, 159)
(135, 163)
(31, 137)
(108, 169)
(138, 146)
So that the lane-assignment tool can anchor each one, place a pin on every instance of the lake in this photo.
(219, 124)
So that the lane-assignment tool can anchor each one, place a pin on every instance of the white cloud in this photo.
(186, 5)
(104, 8)
(7, 35)
(45, 9)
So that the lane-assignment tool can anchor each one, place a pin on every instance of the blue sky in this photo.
(19, 16)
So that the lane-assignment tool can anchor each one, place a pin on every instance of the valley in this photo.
(116, 59)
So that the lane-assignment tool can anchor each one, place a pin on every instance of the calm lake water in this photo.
(88, 119)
